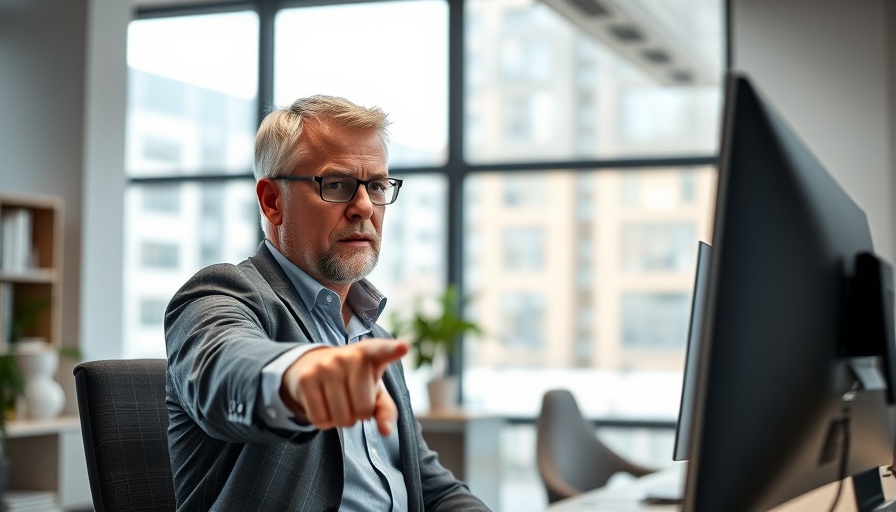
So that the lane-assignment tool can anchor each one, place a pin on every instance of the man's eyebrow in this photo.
(337, 172)
(349, 174)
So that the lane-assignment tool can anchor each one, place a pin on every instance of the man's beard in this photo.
(339, 269)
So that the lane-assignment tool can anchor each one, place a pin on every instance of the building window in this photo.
(525, 59)
(160, 255)
(517, 120)
(688, 186)
(523, 248)
(524, 190)
(630, 190)
(152, 312)
(162, 198)
(161, 149)
(658, 247)
(522, 316)
(655, 320)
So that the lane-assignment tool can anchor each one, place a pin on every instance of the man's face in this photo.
(335, 243)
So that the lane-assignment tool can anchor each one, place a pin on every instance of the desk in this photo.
(469, 446)
(628, 497)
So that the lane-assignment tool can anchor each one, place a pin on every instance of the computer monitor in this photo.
(682, 448)
(793, 382)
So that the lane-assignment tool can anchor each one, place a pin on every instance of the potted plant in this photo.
(11, 387)
(37, 361)
(434, 335)
(26, 316)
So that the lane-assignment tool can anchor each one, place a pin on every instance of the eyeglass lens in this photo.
(341, 189)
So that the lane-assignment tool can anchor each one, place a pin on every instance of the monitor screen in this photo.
(778, 410)
(689, 382)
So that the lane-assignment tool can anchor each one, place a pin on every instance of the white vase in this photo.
(443, 393)
(37, 362)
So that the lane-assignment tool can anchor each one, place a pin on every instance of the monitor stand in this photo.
(870, 492)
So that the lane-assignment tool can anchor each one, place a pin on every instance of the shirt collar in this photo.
(363, 298)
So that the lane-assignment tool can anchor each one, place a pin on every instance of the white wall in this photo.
(104, 124)
(41, 116)
(828, 65)
(63, 84)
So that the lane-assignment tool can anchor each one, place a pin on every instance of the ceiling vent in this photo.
(634, 33)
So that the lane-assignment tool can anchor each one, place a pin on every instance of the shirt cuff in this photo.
(273, 411)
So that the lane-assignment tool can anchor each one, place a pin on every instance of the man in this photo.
(283, 393)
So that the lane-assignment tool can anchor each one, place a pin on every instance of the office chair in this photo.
(124, 423)
(571, 459)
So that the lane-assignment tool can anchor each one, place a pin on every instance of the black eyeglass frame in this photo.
(395, 182)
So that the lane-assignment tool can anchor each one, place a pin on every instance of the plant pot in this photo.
(443, 393)
(37, 362)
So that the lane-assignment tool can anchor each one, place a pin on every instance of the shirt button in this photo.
(272, 412)
(329, 299)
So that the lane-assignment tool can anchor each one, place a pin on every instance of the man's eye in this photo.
(335, 185)
(379, 186)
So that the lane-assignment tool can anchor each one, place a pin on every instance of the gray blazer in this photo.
(221, 328)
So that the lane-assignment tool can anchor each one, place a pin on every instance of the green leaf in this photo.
(431, 334)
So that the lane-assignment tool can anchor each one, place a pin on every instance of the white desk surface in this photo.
(628, 497)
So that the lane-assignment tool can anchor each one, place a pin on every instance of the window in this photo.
(528, 210)
(192, 94)
(535, 52)
(522, 315)
(390, 54)
(579, 293)
(527, 59)
(669, 247)
(161, 149)
(517, 120)
(523, 248)
(152, 311)
(523, 190)
(655, 320)
(162, 198)
(159, 255)
(688, 187)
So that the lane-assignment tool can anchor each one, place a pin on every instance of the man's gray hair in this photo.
(277, 148)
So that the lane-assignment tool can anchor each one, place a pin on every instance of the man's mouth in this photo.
(359, 238)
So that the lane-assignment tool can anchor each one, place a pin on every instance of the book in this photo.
(29, 501)
(6, 314)
(15, 239)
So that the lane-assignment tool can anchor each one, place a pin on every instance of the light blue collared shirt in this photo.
(373, 480)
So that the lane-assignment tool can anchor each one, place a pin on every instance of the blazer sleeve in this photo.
(218, 336)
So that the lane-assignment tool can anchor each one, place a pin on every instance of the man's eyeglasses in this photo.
(342, 189)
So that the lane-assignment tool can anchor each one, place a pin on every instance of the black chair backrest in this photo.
(124, 422)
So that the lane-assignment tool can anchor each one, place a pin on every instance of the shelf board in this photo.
(36, 275)
(29, 428)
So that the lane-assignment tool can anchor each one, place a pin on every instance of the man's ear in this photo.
(270, 200)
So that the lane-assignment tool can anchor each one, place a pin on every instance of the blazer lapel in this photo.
(407, 435)
(273, 273)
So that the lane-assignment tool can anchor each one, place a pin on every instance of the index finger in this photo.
(383, 352)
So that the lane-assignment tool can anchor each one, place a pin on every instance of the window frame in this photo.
(455, 168)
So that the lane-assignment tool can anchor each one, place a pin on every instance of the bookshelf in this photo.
(31, 265)
(46, 456)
